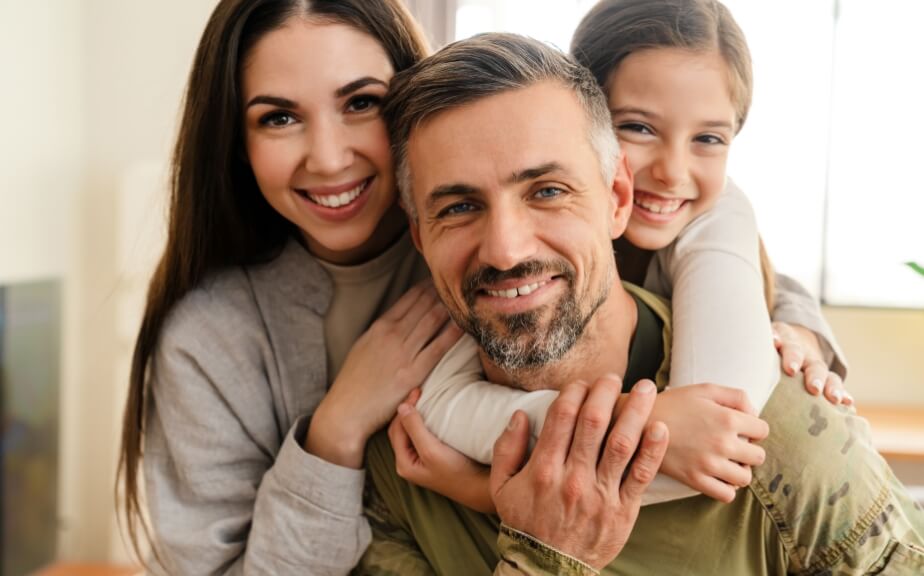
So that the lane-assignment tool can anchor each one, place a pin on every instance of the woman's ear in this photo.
(621, 197)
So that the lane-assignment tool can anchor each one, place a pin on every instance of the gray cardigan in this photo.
(240, 368)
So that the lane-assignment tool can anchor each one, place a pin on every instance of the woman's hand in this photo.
(799, 350)
(711, 429)
(421, 458)
(390, 359)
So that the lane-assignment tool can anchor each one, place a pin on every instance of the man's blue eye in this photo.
(549, 192)
(456, 209)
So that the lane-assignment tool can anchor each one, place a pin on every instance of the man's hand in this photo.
(571, 494)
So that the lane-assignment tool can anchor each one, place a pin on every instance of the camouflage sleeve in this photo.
(393, 551)
(523, 554)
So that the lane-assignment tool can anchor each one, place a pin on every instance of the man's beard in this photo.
(524, 344)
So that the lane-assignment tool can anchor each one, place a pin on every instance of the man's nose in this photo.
(671, 167)
(329, 150)
(509, 237)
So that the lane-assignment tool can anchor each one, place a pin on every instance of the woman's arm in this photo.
(228, 491)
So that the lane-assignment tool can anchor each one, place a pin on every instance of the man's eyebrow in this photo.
(276, 101)
(448, 190)
(359, 84)
(532, 173)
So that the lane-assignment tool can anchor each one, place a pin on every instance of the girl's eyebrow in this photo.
(359, 84)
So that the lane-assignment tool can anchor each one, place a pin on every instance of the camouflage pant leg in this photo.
(836, 503)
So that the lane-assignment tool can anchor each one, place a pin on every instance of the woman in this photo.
(285, 242)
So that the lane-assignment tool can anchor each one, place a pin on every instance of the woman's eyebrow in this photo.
(277, 101)
(358, 84)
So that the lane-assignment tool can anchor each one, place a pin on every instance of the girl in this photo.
(678, 79)
(285, 242)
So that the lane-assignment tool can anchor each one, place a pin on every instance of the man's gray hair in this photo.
(481, 66)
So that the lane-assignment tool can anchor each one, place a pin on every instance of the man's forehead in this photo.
(490, 140)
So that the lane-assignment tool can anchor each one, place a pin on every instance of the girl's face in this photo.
(314, 136)
(674, 117)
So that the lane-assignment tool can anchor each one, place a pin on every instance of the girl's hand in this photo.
(421, 458)
(711, 429)
(799, 350)
(390, 359)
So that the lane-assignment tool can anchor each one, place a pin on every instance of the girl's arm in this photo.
(712, 275)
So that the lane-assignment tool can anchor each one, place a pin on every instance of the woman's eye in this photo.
(548, 192)
(277, 119)
(363, 102)
(634, 127)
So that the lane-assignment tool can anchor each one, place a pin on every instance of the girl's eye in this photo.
(548, 192)
(456, 209)
(709, 139)
(277, 119)
(363, 103)
(637, 127)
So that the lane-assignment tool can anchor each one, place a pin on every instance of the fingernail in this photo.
(657, 431)
(794, 367)
(839, 396)
(404, 409)
(816, 386)
(513, 422)
(645, 387)
(776, 337)
(848, 397)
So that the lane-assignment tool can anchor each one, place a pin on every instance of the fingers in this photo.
(405, 453)
(413, 397)
(743, 452)
(730, 398)
(835, 392)
(750, 427)
(509, 451)
(714, 488)
(439, 346)
(593, 420)
(414, 315)
(407, 300)
(792, 357)
(816, 374)
(558, 430)
(412, 424)
(623, 439)
(646, 464)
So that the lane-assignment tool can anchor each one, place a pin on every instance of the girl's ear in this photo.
(621, 197)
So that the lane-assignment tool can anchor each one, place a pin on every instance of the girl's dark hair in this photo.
(613, 29)
(217, 215)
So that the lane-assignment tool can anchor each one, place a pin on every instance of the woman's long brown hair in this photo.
(217, 216)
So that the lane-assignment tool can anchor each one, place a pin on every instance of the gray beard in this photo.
(524, 346)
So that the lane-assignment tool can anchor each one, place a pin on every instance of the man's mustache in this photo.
(475, 281)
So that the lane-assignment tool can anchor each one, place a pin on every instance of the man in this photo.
(514, 209)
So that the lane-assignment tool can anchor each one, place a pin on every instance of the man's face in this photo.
(516, 221)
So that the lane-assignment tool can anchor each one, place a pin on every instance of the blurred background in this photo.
(88, 108)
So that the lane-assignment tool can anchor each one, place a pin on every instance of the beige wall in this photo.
(88, 109)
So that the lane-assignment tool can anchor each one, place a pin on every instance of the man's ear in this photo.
(415, 232)
(622, 194)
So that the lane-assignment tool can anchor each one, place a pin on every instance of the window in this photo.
(829, 152)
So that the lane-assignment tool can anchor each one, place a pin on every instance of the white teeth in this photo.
(518, 291)
(660, 208)
(338, 200)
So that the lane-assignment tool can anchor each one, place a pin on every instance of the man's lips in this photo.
(514, 288)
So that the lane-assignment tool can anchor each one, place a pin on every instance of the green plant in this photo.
(916, 267)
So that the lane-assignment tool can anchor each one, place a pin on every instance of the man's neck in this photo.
(603, 348)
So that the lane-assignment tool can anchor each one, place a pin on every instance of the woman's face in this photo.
(674, 117)
(315, 139)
